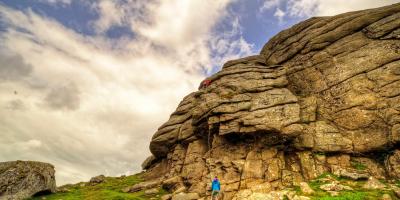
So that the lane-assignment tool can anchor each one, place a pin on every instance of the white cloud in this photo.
(92, 103)
(269, 4)
(279, 14)
(333, 7)
(309, 8)
(56, 2)
(33, 143)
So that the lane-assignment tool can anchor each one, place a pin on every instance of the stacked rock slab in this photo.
(321, 96)
(23, 179)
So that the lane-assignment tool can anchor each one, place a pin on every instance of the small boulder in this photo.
(349, 173)
(306, 189)
(334, 187)
(396, 191)
(23, 179)
(373, 183)
(166, 197)
(386, 197)
(186, 196)
(333, 193)
(151, 191)
(97, 179)
(300, 198)
(172, 184)
(142, 186)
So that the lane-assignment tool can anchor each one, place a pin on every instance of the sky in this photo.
(85, 84)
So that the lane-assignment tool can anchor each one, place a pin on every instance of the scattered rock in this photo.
(349, 173)
(396, 190)
(97, 179)
(306, 189)
(386, 197)
(23, 179)
(373, 183)
(186, 196)
(142, 185)
(334, 187)
(273, 195)
(166, 197)
(152, 191)
(63, 189)
(300, 198)
(173, 183)
(333, 193)
(180, 189)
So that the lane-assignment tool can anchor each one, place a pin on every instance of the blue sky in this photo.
(256, 26)
(85, 84)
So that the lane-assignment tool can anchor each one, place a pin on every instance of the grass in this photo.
(358, 166)
(110, 190)
(357, 194)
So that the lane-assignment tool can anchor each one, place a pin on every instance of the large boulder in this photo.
(322, 96)
(23, 179)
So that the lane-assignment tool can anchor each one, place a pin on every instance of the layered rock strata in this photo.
(322, 96)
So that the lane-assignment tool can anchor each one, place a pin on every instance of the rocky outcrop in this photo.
(23, 179)
(97, 179)
(322, 96)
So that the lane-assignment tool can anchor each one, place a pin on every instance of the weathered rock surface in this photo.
(320, 96)
(23, 179)
(97, 179)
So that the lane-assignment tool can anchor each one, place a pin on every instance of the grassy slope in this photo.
(110, 189)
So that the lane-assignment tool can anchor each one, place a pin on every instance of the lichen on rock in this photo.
(23, 179)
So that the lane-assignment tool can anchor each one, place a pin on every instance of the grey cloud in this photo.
(16, 104)
(65, 97)
(13, 68)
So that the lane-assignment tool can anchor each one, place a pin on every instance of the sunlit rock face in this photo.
(320, 96)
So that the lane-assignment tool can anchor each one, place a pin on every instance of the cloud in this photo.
(63, 97)
(334, 7)
(279, 14)
(13, 67)
(56, 2)
(16, 104)
(309, 8)
(269, 4)
(107, 96)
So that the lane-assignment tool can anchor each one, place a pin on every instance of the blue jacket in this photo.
(215, 186)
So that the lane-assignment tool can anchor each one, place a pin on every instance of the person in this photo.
(215, 188)
(205, 83)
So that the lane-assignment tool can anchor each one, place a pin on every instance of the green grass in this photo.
(110, 190)
(358, 166)
(357, 194)
(354, 195)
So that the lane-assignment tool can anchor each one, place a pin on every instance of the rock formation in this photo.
(23, 179)
(322, 96)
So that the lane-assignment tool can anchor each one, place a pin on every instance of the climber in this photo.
(205, 83)
(215, 188)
